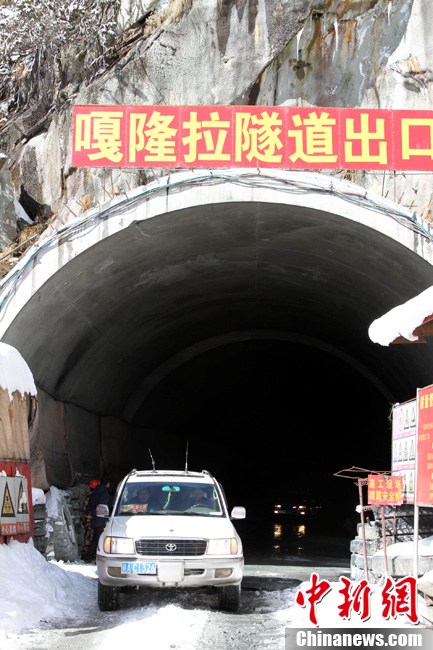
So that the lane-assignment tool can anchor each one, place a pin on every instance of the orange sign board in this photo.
(251, 136)
(385, 490)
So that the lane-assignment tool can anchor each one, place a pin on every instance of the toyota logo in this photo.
(171, 547)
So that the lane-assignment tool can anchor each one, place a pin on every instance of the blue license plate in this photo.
(146, 568)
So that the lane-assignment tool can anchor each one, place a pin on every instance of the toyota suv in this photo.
(170, 529)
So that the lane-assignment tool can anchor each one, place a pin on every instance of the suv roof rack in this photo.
(169, 472)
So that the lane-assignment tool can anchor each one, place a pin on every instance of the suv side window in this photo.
(139, 498)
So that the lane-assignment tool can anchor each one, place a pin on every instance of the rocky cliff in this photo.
(353, 53)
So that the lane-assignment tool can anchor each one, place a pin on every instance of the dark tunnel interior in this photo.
(271, 419)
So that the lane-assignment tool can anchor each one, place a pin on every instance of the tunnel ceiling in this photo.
(115, 323)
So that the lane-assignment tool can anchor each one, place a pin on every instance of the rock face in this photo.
(8, 214)
(368, 53)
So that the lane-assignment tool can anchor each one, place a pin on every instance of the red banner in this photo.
(251, 136)
(385, 490)
(424, 485)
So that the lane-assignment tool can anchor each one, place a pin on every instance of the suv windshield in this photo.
(163, 497)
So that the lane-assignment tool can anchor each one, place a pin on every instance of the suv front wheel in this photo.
(229, 598)
(108, 598)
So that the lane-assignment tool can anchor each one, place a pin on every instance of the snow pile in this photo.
(406, 549)
(38, 496)
(34, 590)
(14, 372)
(402, 320)
(53, 501)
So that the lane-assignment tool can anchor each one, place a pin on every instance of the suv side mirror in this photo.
(102, 510)
(238, 512)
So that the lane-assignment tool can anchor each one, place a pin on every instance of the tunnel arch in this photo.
(170, 365)
(129, 309)
(185, 190)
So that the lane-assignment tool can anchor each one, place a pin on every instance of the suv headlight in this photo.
(119, 545)
(227, 546)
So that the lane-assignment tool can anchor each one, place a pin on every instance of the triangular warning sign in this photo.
(413, 418)
(8, 506)
(23, 508)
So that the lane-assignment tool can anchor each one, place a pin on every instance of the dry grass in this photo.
(25, 238)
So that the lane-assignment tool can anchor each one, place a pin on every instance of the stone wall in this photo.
(399, 527)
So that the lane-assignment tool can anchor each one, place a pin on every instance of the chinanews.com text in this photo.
(358, 638)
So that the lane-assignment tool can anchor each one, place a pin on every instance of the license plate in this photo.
(146, 568)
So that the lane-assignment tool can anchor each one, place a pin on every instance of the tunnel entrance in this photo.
(230, 312)
(273, 417)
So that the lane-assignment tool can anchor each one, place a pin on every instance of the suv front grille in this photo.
(163, 546)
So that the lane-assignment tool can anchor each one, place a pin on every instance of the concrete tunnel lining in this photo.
(118, 298)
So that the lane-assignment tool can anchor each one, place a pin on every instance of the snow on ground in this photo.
(40, 598)
(40, 594)
(34, 590)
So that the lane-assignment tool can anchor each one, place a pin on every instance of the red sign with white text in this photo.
(424, 484)
(251, 136)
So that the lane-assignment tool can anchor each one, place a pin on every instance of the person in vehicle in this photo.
(142, 500)
(198, 497)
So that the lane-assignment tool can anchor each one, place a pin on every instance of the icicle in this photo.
(389, 9)
(336, 32)
(298, 42)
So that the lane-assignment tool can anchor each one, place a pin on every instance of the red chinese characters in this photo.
(357, 598)
(400, 598)
(313, 595)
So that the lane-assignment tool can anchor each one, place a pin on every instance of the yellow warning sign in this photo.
(7, 507)
(23, 508)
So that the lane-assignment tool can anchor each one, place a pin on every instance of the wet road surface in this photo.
(286, 541)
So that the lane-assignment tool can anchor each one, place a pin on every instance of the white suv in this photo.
(170, 529)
